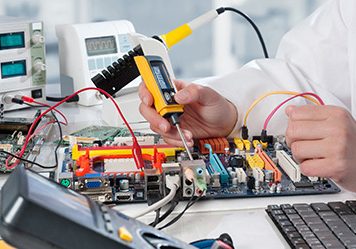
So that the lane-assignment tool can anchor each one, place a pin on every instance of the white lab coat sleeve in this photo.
(308, 60)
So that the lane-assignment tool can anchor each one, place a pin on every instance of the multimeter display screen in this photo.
(13, 69)
(12, 40)
(161, 75)
(101, 45)
(59, 199)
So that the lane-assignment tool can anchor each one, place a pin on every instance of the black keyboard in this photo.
(316, 225)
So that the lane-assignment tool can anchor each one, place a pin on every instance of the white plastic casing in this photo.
(76, 66)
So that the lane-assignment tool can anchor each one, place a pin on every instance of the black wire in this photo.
(190, 203)
(265, 52)
(158, 212)
(23, 159)
(173, 205)
(58, 99)
(60, 138)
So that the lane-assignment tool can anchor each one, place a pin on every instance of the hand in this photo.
(206, 114)
(323, 141)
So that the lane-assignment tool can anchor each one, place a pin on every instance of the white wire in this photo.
(173, 185)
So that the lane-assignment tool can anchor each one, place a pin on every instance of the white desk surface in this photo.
(244, 219)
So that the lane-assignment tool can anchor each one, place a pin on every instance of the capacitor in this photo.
(235, 182)
(236, 162)
(269, 175)
(278, 146)
(279, 188)
(124, 185)
(272, 188)
(257, 185)
(131, 176)
(227, 151)
(138, 177)
(281, 139)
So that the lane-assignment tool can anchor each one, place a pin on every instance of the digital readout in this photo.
(101, 45)
(12, 40)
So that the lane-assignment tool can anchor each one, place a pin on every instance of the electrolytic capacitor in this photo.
(124, 185)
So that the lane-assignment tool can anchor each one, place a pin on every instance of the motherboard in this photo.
(13, 132)
(105, 169)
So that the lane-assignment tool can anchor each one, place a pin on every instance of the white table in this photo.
(244, 219)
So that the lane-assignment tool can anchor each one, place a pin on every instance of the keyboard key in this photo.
(317, 225)
(287, 229)
(332, 243)
(340, 208)
(284, 207)
(272, 207)
(285, 223)
(277, 212)
(320, 207)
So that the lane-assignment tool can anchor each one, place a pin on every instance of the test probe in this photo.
(157, 80)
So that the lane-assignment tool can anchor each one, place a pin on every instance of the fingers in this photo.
(307, 130)
(180, 84)
(317, 167)
(197, 94)
(304, 150)
(307, 112)
(158, 123)
(145, 95)
(172, 137)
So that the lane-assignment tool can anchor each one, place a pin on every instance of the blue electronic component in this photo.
(93, 184)
(216, 165)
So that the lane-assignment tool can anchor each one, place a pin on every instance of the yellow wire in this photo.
(259, 99)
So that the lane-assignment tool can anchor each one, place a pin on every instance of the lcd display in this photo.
(12, 40)
(161, 75)
(101, 45)
(13, 69)
(59, 199)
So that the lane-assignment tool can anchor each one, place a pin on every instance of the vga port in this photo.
(93, 183)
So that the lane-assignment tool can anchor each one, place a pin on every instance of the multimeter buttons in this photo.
(168, 97)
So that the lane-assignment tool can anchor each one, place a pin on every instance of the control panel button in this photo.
(168, 97)
(124, 234)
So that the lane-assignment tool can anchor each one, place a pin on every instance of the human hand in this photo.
(323, 141)
(206, 114)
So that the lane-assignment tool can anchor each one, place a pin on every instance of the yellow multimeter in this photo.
(157, 80)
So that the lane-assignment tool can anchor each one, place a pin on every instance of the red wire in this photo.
(136, 149)
(56, 110)
(268, 119)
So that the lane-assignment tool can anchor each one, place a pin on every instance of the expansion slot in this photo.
(255, 161)
(269, 165)
(288, 165)
(216, 166)
(169, 151)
